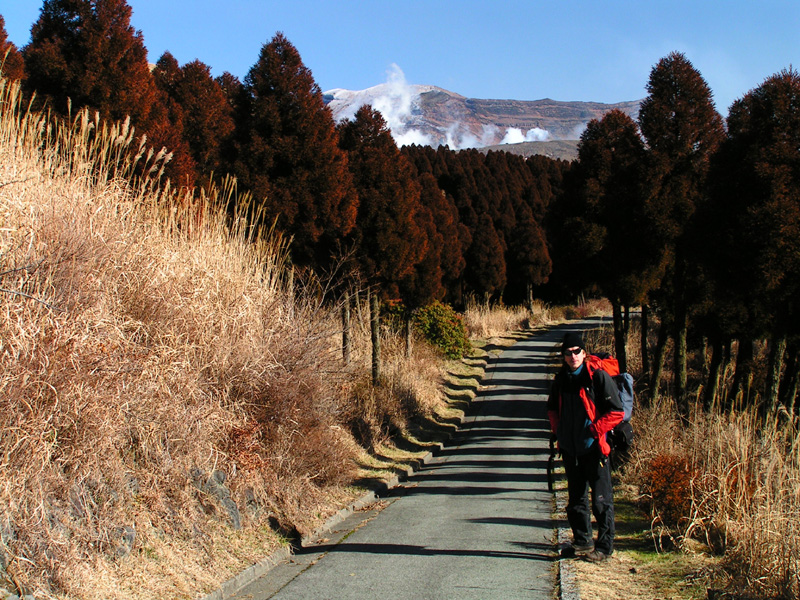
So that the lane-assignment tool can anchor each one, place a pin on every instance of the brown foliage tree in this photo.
(756, 214)
(609, 173)
(486, 267)
(287, 154)
(454, 234)
(388, 237)
(11, 63)
(86, 53)
(198, 108)
(683, 131)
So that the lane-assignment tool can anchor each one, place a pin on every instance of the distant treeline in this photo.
(693, 218)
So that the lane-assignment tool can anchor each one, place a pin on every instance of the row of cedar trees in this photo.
(693, 220)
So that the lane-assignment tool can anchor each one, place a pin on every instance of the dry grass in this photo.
(485, 320)
(169, 409)
(740, 527)
(742, 500)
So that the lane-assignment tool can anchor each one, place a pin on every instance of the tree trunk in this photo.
(714, 370)
(619, 336)
(529, 296)
(346, 328)
(791, 377)
(362, 318)
(658, 360)
(645, 325)
(740, 390)
(681, 328)
(777, 350)
(408, 334)
(375, 322)
(704, 354)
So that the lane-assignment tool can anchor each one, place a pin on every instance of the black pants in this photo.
(591, 470)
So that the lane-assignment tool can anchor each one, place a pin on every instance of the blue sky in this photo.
(525, 50)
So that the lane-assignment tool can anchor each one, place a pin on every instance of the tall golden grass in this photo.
(485, 319)
(743, 499)
(168, 406)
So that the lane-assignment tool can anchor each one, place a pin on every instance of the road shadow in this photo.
(533, 551)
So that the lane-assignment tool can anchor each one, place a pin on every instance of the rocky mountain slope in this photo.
(433, 116)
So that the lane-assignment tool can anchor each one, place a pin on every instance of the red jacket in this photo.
(599, 396)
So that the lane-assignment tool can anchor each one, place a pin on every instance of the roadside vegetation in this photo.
(175, 402)
(706, 506)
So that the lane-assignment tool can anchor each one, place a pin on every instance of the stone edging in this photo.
(566, 583)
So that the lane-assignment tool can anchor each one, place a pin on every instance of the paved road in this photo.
(474, 523)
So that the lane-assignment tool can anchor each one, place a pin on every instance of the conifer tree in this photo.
(682, 130)
(198, 108)
(610, 169)
(485, 273)
(86, 53)
(529, 259)
(288, 154)
(757, 218)
(390, 234)
(451, 232)
(11, 63)
(424, 283)
(528, 262)
(387, 236)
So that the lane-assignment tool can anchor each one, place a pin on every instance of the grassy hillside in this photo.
(170, 410)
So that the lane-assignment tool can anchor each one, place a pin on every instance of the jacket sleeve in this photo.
(553, 405)
(609, 407)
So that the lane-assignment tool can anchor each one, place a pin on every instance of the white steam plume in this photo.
(396, 104)
(397, 100)
(515, 135)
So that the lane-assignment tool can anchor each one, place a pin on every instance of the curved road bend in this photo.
(473, 523)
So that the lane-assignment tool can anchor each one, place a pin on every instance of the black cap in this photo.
(572, 340)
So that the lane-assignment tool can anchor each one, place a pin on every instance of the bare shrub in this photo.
(667, 482)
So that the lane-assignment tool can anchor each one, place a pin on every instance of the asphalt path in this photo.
(475, 522)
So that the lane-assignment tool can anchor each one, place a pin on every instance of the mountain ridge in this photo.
(431, 115)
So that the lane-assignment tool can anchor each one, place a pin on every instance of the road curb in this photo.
(261, 568)
(238, 582)
(567, 583)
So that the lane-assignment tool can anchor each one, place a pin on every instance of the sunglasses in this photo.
(574, 352)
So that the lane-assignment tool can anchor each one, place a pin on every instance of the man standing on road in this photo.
(583, 407)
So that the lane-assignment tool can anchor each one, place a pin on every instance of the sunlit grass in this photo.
(150, 347)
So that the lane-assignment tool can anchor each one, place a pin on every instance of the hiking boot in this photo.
(596, 556)
(574, 550)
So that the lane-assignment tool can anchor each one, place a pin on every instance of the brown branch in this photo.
(34, 298)
(5, 183)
